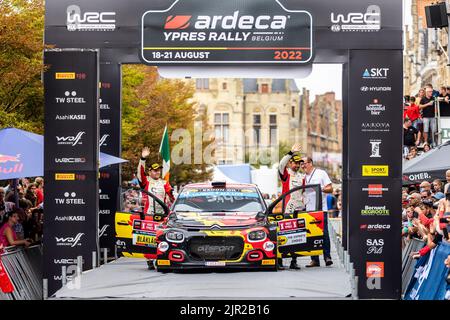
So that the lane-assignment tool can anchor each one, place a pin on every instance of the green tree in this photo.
(149, 103)
(21, 46)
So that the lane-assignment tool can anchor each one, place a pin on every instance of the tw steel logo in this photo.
(230, 22)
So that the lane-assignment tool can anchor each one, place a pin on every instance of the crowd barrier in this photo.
(429, 277)
(23, 266)
(408, 263)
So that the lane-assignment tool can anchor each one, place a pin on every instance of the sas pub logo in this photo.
(374, 274)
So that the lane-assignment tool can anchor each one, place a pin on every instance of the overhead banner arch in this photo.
(285, 37)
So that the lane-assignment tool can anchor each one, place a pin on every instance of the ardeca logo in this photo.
(177, 22)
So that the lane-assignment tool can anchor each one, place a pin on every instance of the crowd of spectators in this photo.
(21, 212)
(421, 113)
(426, 215)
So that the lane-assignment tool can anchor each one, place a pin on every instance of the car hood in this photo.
(219, 220)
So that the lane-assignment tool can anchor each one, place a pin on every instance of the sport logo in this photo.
(370, 21)
(89, 21)
(70, 241)
(71, 140)
(177, 22)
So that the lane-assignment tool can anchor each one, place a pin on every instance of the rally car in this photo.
(220, 225)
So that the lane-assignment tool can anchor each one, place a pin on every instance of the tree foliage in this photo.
(21, 47)
(149, 103)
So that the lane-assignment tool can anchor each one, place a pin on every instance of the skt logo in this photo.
(177, 22)
(376, 73)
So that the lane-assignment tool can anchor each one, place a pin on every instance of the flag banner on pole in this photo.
(164, 150)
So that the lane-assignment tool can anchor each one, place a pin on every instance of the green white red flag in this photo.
(164, 150)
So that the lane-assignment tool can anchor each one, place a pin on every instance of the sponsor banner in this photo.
(375, 171)
(71, 110)
(70, 161)
(109, 142)
(224, 32)
(347, 24)
(373, 234)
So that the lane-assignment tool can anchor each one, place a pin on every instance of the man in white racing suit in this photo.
(154, 184)
(291, 176)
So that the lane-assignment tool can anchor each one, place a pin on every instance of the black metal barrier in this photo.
(408, 263)
(24, 268)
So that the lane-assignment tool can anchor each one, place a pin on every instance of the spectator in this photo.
(443, 101)
(425, 186)
(447, 185)
(411, 136)
(412, 153)
(30, 194)
(426, 147)
(428, 116)
(7, 235)
(412, 113)
(39, 181)
(5, 206)
(437, 186)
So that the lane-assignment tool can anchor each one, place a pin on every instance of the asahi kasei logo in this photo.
(368, 21)
(89, 21)
(69, 241)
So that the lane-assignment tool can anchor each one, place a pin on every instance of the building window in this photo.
(202, 84)
(224, 86)
(273, 129)
(293, 112)
(222, 127)
(265, 88)
(256, 129)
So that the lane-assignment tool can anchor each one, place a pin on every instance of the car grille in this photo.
(216, 248)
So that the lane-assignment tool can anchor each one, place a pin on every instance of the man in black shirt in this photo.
(428, 115)
(411, 136)
(444, 105)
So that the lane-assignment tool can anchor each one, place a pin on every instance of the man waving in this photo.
(153, 183)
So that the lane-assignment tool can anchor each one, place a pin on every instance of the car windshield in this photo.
(218, 200)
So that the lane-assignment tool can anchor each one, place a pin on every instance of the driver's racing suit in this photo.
(159, 188)
(289, 180)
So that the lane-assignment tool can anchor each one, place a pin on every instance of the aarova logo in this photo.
(227, 22)
(69, 241)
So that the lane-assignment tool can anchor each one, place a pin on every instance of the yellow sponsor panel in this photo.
(163, 262)
(65, 176)
(65, 75)
(375, 171)
(133, 255)
(269, 262)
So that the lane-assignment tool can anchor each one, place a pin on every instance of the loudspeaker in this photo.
(436, 15)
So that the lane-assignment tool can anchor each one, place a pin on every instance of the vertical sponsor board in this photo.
(374, 170)
(110, 142)
(70, 161)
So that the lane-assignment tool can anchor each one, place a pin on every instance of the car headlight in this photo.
(258, 235)
(174, 236)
